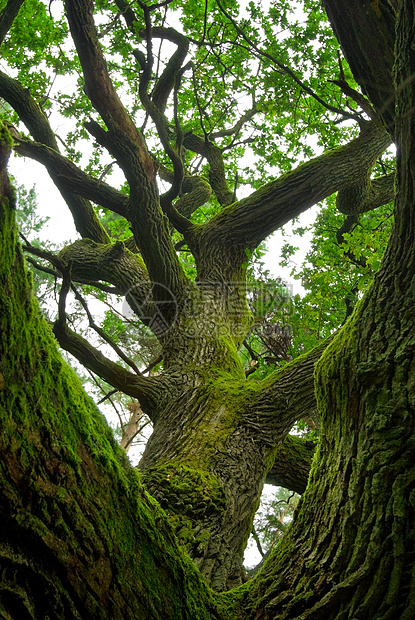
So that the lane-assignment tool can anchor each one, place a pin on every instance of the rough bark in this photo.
(210, 452)
(292, 464)
(350, 550)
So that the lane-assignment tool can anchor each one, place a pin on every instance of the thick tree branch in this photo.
(367, 195)
(114, 263)
(250, 221)
(111, 263)
(292, 464)
(139, 387)
(98, 84)
(127, 144)
(7, 17)
(125, 141)
(54, 260)
(196, 191)
(49, 256)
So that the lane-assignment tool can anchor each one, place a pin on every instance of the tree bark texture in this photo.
(350, 551)
(210, 451)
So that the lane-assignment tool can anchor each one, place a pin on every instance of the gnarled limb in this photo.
(248, 222)
(98, 85)
(112, 263)
(149, 225)
(85, 219)
(292, 463)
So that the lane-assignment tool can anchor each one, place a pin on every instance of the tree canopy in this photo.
(181, 135)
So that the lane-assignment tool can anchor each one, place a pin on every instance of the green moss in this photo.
(188, 494)
(6, 140)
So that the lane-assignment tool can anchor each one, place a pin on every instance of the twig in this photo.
(107, 396)
(286, 69)
(101, 332)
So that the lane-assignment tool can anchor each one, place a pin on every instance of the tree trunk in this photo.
(215, 440)
(79, 536)
(350, 552)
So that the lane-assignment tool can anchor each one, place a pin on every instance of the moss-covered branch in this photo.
(111, 262)
(292, 464)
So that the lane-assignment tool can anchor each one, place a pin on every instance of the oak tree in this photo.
(82, 537)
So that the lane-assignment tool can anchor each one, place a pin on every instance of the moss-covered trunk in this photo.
(350, 551)
(79, 537)
(216, 436)
(207, 469)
